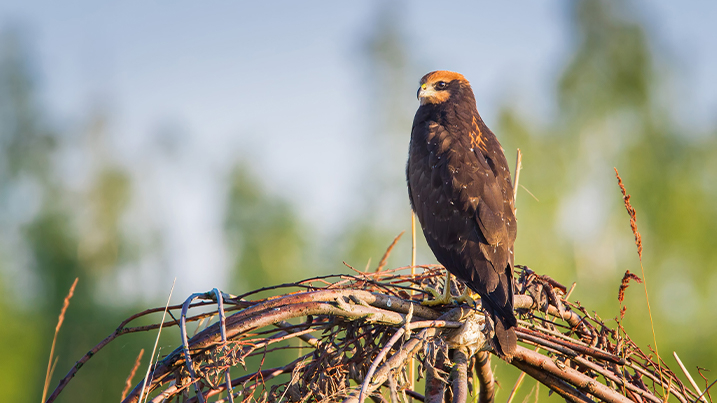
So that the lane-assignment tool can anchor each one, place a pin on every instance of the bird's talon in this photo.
(443, 298)
(468, 297)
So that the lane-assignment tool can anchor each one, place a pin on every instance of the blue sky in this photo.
(252, 79)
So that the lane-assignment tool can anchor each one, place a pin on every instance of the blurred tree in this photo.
(612, 112)
(269, 243)
(58, 233)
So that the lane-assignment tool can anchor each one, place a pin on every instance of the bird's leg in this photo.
(439, 299)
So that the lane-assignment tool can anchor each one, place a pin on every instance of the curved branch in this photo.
(485, 377)
(527, 358)
(460, 375)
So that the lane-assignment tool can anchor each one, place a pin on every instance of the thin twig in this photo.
(706, 390)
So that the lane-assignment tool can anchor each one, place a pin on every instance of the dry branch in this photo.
(360, 333)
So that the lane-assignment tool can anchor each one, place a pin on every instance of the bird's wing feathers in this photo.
(468, 182)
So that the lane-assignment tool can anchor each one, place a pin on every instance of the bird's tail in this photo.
(504, 340)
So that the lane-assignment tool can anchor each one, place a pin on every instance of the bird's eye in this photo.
(441, 85)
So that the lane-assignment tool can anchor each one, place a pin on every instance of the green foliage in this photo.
(58, 246)
(609, 115)
(268, 241)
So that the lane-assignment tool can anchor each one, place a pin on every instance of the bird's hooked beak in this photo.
(425, 93)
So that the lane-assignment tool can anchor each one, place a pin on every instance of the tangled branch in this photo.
(353, 336)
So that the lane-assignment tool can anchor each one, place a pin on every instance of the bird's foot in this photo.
(468, 297)
(444, 298)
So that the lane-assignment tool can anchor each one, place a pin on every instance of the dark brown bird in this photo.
(460, 188)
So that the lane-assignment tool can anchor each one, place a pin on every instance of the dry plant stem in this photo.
(638, 243)
(401, 356)
(156, 341)
(307, 338)
(128, 382)
(384, 259)
(518, 166)
(600, 370)
(570, 292)
(79, 365)
(706, 390)
(485, 378)
(60, 319)
(579, 380)
(519, 382)
(460, 375)
(680, 396)
(689, 377)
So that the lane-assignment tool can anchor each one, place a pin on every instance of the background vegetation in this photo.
(66, 204)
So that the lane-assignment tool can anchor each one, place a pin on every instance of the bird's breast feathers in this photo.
(452, 179)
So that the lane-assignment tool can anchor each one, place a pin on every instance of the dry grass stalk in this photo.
(156, 341)
(60, 320)
(626, 283)
(623, 286)
(518, 166)
(128, 382)
(638, 242)
(689, 377)
(384, 259)
(633, 215)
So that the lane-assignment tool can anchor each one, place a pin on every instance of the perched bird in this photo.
(460, 188)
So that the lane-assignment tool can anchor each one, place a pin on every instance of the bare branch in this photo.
(353, 327)
(485, 377)
(460, 375)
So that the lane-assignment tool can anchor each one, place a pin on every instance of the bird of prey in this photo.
(460, 188)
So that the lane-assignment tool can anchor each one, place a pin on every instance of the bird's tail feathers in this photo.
(504, 340)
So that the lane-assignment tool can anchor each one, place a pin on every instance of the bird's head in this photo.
(438, 86)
